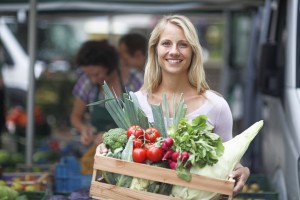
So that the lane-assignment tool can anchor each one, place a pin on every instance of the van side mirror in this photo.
(271, 74)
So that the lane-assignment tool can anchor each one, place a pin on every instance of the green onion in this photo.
(165, 103)
(158, 117)
(180, 112)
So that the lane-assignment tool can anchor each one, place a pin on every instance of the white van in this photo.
(15, 64)
(278, 96)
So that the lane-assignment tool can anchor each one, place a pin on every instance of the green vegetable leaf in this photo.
(183, 173)
(196, 137)
(159, 119)
(124, 112)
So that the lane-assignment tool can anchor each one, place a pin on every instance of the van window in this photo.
(5, 58)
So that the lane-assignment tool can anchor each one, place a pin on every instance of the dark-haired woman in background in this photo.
(98, 62)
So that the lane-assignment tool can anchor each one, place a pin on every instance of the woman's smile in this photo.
(174, 61)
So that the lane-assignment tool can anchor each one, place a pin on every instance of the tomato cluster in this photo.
(144, 144)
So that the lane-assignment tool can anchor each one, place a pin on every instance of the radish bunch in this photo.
(172, 156)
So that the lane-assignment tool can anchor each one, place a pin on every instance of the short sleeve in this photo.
(84, 89)
(223, 122)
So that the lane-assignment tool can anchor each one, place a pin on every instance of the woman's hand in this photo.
(98, 138)
(87, 135)
(101, 150)
(240, 174)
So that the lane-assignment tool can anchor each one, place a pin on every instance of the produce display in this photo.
(8, 193)
(188, 147)
(10, 159)
(257, 187)
(26, 182)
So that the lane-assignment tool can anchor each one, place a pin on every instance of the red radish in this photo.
(172, 164)
(175, 156)
(168, 155)
(164, 146)
(184, 156)
(169, 142)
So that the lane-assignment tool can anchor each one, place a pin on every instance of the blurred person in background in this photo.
(132, 50)
(99, 62)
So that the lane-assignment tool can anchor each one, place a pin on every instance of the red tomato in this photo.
(137, 143)
(151, 134)
(139, 155)
(155, 154)
(148, 146)
(135, 130)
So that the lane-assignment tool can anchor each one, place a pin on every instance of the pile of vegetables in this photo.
(187, 147)
(8, 193)
(234, 149)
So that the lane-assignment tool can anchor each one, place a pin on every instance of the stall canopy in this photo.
(74, 7)
(128, 6)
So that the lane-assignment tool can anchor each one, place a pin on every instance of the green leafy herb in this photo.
(197, 138)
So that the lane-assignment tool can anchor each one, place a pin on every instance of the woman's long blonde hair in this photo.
(153, 74)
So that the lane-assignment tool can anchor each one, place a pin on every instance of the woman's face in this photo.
(97, 74)
(126, 58)
(173, 50)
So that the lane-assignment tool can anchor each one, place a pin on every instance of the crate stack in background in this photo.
(257, 187)
(67, 176)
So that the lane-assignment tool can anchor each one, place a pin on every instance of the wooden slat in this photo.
(108, 192)
(162, 175)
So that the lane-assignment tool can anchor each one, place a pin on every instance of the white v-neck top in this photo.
(215, 108)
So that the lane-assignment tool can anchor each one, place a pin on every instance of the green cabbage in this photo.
(7, 193)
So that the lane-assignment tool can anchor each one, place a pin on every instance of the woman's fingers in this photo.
(101, 150)
(240, 175)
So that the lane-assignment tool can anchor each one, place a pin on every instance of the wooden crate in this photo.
(100, 190)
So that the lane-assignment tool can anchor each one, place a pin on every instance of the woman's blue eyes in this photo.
(180, 45)
(183, 45)
(166, 44)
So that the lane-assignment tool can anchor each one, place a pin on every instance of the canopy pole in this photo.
(31, 86)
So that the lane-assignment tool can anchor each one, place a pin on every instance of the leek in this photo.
(124, 112)
(158, 117)
(234, 149)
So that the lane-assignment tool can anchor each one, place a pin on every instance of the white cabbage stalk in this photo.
(234, 149)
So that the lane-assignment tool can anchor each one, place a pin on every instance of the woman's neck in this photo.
(174, 85)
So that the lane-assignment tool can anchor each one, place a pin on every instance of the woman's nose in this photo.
(174, 50)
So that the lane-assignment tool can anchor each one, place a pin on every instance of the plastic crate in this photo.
(34, 195)
(265, 189)
(68, 178)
